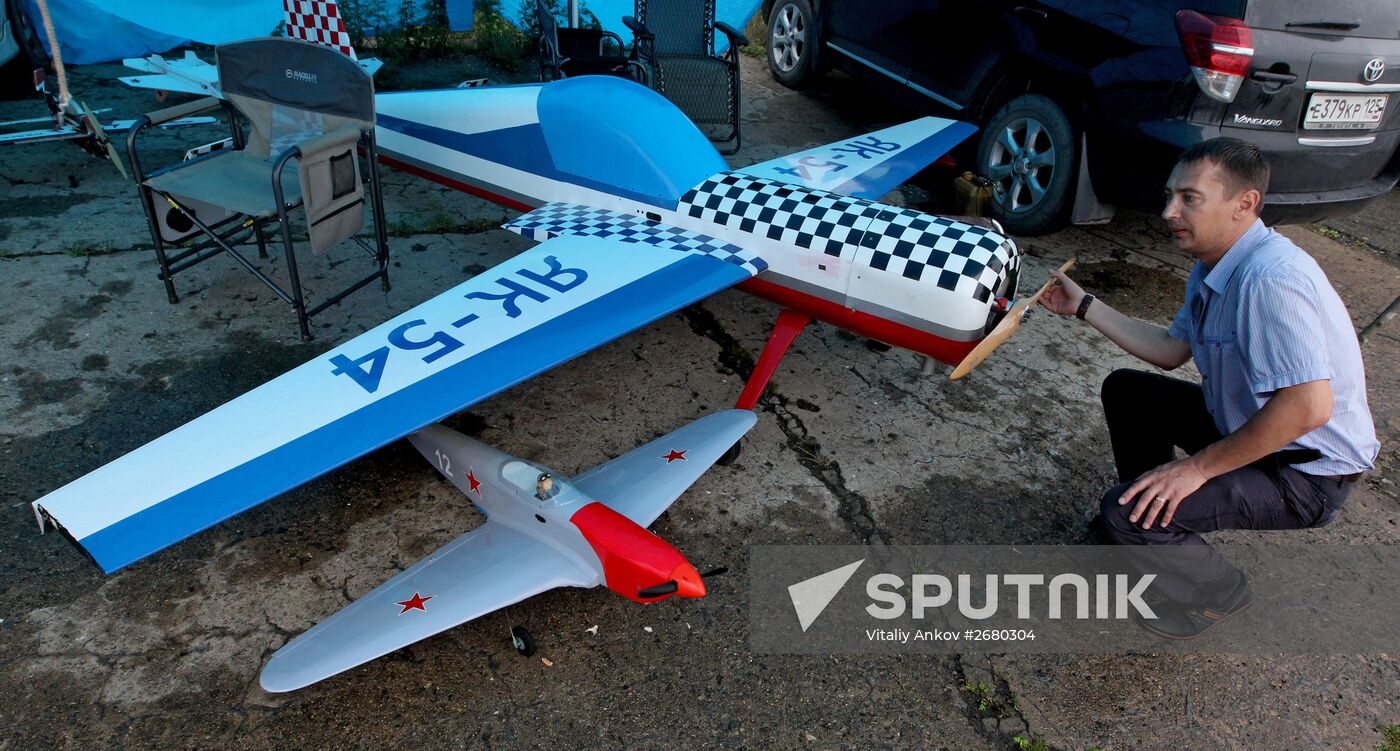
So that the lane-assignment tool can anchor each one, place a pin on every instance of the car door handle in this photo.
(1268, 76)
(1030, 14)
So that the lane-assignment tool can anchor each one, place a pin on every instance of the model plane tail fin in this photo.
(318, 21)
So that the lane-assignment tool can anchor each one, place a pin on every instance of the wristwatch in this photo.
(1084, 306)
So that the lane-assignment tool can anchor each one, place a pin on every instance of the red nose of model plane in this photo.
(688, 581)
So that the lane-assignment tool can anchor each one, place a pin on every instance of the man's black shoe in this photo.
(1189, 620)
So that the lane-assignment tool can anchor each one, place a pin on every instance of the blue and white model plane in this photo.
(638, 216)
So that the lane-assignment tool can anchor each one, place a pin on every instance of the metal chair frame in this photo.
(644, 51)
(223, 236)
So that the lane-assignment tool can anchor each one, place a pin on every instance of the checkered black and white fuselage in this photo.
(935, 274)
(932, 274)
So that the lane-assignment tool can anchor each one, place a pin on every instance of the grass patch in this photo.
(437, 221)
(989, 700)
(1391, 733)
(82, 249)
(757, 32)
(1022, 743)
(1341, 236)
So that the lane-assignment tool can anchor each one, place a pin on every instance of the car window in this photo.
(1377, 18)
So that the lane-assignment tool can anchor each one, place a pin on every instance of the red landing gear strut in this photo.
(790, 323)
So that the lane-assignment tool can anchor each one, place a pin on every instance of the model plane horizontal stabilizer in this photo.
(564, 219)
(641, 488)
(523, 317)
(871, 165)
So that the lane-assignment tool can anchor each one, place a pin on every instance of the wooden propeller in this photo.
(1003, 330)
(100, 139)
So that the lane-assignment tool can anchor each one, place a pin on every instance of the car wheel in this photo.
(792, 32)
(15, 78)
(1028, 150)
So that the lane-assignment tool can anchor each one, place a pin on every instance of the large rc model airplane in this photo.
(638, 216)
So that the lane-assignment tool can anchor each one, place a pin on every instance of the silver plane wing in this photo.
(482, 571)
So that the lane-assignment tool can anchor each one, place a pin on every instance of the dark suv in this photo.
(1088, 102)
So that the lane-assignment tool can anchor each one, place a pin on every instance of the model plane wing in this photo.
(73, 131)
(541, 308)
(188, 74)
(644, 482)
(871, 165)
(570, 220)
(484, 570)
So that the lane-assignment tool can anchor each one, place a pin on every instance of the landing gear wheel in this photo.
(524, 643)
(792, 36)
(730, 456)
(1029, 152)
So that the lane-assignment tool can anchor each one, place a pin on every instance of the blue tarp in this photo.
(94, 31)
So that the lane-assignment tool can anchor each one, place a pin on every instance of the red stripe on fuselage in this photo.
(862, 324)
(456, 184)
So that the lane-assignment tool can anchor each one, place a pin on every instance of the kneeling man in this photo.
(1278, 430)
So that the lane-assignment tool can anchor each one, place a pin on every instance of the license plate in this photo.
(1339, 111)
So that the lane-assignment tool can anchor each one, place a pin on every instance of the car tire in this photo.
(1029, 151)
(15, 79)
(792, 34)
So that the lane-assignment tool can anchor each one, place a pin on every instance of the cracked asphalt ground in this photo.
(852, 446)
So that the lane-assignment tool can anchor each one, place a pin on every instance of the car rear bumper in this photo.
(1305, 208)
(1131, 169)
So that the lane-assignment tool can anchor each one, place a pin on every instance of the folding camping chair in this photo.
(309, 108)
(579, 52)
(675, 43)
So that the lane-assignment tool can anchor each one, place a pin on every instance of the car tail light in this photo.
(1219, 50)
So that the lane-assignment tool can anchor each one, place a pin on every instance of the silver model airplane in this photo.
(542, 531)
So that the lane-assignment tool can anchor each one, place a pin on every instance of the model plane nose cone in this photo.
(688, 581)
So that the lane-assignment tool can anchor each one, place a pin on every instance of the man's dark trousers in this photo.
(1149, 415)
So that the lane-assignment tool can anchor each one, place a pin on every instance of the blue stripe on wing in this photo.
(895, 171)
(634, 304)
(867, 166)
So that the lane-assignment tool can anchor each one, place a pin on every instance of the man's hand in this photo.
(1062, 298)
(1160, 491)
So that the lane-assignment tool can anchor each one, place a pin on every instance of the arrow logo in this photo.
(811, 596)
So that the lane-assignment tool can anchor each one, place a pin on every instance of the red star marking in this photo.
(415, 602)
(674, 455)
(475, 483)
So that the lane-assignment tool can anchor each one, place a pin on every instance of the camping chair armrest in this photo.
(181, 110)
(735, 38)
(639, 29)
(602, 42)
(342, 135)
